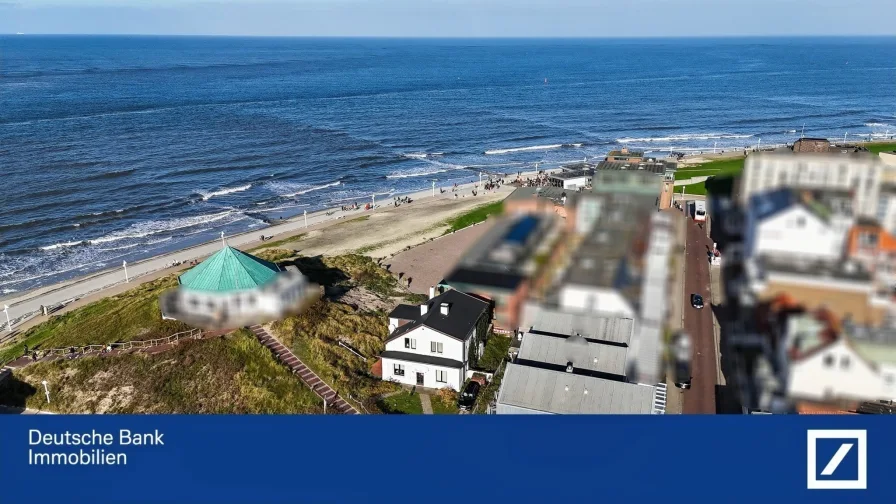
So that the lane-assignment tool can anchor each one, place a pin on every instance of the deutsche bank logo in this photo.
(837, 459)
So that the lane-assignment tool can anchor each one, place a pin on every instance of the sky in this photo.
(450, 18)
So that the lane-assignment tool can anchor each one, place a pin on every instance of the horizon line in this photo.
(456, 37)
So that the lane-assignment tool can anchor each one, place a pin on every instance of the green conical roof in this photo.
(229, 270)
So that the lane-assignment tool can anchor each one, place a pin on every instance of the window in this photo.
(800, 221)
(410, 343)
(828, 360)
(441, 377)
(398, 370)
(435, 347)
(844, 362)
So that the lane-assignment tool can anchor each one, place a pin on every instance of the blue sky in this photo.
(450, 18)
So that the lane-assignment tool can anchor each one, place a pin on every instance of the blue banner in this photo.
(445, 458)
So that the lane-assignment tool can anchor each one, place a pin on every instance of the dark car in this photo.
(697, 301)
(468, 395)
(681, 360)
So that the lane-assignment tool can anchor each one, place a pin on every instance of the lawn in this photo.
(402, 403)
(881, 147)
(719, 167)
(234, 374)
(474, 216)
(698, 188)
(131, 315)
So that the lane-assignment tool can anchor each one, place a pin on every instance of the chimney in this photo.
(444, 308)
(569, 367)
(432, 291)
(424, 308)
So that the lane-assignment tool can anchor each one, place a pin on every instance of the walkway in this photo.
(426, 403)
(313, 381)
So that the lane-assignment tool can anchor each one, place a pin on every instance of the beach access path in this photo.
(24, 306)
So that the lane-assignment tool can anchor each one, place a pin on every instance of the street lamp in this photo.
(480, 180)
(373, 202)
(433, 188)
(46, 390)
(8, 323)
(306, 218)
(124, 264)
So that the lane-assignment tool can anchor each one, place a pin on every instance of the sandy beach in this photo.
(380, 232)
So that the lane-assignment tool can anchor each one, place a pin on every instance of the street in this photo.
(701, 397)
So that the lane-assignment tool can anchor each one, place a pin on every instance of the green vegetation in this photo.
(315, 336)
(881, 147)
(698, 188)
(444, 402)
(131, 315)
(488, 393)
(354, 269)
(275, 255)
(474, 216)
(234, 374)
(719, 167)
(495, 351)
(276, 244)
(402, 403)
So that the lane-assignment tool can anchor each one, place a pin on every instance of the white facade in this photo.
(861, 174)
(795, 231)
(595, 299)
(838, 372)
(426, 342)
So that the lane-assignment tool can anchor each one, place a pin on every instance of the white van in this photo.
(700, 211)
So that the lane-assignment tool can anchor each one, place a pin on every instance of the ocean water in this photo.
(118, 148)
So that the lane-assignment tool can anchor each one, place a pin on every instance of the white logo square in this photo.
(830, 466)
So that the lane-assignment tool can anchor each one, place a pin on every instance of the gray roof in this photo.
(571, 174)
(422, 359)
(548, 192)
(596, 326)
(464, 311)
(559, 392)
(647, 165)
(586, 355)
(612, 255)
(850, 270)
(496, 261)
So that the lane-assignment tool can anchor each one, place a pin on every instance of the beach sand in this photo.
(378, 233)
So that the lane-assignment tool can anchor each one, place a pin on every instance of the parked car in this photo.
(468, 396)
(681, 355)
(697, 301)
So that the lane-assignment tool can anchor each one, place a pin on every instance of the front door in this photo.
(420, 379)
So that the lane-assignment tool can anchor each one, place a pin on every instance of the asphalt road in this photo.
(701, 397)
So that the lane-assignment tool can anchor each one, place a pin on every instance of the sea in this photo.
(122, 148)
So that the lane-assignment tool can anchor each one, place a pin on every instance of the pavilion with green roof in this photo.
(229, 270)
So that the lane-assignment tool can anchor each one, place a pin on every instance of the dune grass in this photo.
(131, 315)
(234, 374)
(315, 335)
(474, 216)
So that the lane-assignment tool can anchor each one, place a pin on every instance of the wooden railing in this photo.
(126, 345)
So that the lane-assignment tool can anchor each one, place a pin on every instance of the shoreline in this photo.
(24, 304)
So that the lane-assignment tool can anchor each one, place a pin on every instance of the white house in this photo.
(781, 223)
(837, 371)
(429, 345)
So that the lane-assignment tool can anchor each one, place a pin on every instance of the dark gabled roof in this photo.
(405, 312)
(463, 313)
(486, 279)
(422, 359)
